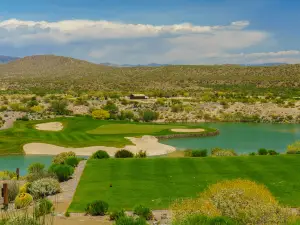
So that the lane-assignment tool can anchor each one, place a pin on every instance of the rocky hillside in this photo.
(56, 72)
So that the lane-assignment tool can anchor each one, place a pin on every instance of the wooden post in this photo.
(5, 194)
(18, 173)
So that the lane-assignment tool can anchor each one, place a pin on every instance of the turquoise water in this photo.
(22, 162)
(242, 137)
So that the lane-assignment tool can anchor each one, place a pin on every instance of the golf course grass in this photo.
(156, 182)
(79, 132)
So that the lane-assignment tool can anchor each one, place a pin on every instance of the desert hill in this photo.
(57, 72)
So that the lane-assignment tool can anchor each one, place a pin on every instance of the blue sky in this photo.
(106, 30)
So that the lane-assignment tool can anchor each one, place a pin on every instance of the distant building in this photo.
(138, 96)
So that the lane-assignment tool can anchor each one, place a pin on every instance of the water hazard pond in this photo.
(243, 137)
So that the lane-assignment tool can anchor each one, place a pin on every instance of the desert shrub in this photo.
(97, 208)
(22, 220)
(100, 155)
(60, 158)
(141, 154)
(294, 147)
(143, 212)
(59, 107)
(205, 220)
(246, 202)
(72, 161)
(24, 187)
(262, 151)
(43, 207)
(195, 153)
(44, 187)
(62, 172)
(124, 154)
(128, 220)
(126, 115)
(115, 215)
(4, 176)
(272, 152)
(35, 168)
(23, 200)
(13, 190)
(23, 118)
(37, 176)
(223, 152)
(100, 114)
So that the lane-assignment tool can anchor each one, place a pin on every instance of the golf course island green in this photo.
(85, 135)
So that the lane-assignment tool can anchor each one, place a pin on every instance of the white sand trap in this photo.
(198, 130)
(52, 126)
(146, 143)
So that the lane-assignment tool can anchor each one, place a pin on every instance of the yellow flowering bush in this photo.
(244, 201)
(24, 187)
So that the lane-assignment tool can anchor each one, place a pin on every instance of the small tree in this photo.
(100, 114)
(149, 115)
(59, 107)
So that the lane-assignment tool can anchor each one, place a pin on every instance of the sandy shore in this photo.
(197, 130)
(52, 126)
(149, 144)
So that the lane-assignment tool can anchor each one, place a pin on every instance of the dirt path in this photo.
(64, 199)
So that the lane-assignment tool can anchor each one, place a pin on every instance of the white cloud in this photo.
(117, 42)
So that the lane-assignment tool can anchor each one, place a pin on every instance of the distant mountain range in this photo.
(134, 65)
(265, 64)
(6, 59)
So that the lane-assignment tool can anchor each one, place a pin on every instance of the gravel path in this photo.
(63, 199)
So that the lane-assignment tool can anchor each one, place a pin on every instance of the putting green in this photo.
(131, 128)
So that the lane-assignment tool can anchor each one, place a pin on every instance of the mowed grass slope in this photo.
(156, 182)
(76, 133)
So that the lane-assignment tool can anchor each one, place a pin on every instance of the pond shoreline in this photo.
(187, 135)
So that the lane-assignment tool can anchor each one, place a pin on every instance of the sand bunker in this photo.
(53, 126)
(146, 143)
(198, 130)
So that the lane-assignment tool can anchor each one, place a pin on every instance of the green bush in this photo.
(100, 155)
(272, 152)
(23, 200)
(36, 168)
(262, 151)
(124, 154)
(195, 153)
(44, 207)
(72, 161)
(252, 153)
(44, 187)
(141, 154)
(143, 211)
(127, 220)
(60, 158)
(62, 172)
(204, 220)
(115, 215)
(149, 115)
(97, 208)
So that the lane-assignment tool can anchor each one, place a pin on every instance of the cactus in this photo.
(23, 200)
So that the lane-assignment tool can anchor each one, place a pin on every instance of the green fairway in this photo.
(131, 128)
(157, 182)
(76, 133)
